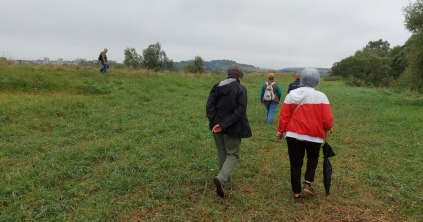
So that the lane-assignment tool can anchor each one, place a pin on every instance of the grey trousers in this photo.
(227, 155)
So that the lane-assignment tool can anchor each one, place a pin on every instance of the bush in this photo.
(409, 81)
(353, 81)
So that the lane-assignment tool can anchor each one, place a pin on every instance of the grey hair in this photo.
(310, 77)
(235, 71)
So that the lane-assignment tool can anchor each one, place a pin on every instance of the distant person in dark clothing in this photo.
(226, 111)
(103, 60)
(296, 83)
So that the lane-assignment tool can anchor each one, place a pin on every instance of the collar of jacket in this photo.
(227, 81)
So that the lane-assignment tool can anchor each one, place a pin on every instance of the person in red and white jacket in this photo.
(305, 117)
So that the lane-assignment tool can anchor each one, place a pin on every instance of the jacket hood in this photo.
(299, 94)
(226, 85)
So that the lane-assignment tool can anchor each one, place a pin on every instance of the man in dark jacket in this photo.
(295, 84)
(226, 110)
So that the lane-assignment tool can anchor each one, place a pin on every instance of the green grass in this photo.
(76, 145)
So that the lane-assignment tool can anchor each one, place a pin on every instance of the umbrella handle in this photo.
(326, 135)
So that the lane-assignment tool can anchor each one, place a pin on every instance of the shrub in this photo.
(353, 81)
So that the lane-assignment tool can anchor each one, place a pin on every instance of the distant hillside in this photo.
(222, 65)
(323, 71)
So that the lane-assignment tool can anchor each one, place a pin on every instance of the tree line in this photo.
(376, 64)
(154, 58)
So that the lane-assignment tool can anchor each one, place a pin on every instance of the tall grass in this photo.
(77, 145)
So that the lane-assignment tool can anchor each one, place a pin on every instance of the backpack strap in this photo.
(273, 87)
(268, 83)
(302, 101)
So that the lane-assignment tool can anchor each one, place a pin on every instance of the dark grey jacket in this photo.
(227, 106)
(294, 85)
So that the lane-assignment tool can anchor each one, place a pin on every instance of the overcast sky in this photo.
(265, 33)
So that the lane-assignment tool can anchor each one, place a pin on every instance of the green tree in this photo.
(414, 16)
(155, 58)
(169, 65)
(398, 60)
(368, 67)
(373, 65)
(412, 78)
(380, 47)
(199, 64)
(132, 59)
(195, 66)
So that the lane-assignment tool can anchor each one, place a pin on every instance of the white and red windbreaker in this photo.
(310, 121)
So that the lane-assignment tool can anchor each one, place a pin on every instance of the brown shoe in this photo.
(299, 198)
(307, 188)
(219, 187)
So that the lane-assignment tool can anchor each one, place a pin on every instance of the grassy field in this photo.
(77, 145)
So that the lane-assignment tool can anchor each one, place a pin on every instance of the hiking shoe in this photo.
(307, 188)
(219, 187)
(299, 198)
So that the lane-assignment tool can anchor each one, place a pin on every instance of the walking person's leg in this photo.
(267, 105)
(228, 155)
(296, 158)
(271, 112)
(312, 150)
(220, 147)
(102, 63)
(106, 66)
(221, 157)
(232, 155)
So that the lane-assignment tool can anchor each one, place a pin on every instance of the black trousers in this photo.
(296, 152)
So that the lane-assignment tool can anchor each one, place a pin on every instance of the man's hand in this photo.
(217, 129)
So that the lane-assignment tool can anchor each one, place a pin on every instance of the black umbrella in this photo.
(327, 167)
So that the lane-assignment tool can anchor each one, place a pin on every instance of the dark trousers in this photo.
(296, 152)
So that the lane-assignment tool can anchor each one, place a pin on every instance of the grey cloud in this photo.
(268, 34)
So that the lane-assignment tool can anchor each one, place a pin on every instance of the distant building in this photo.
(46, 60)
(60, 61)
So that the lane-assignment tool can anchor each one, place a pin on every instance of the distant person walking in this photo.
(103, 60)
(270, 95)
(304, 119)
(295, 84)
(226, 111)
